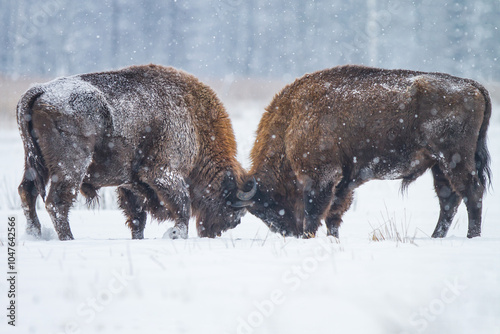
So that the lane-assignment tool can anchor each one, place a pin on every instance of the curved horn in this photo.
(242, 204)
(247, 195)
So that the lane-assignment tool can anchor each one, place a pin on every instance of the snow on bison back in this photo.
(158, 134)
(331, 131)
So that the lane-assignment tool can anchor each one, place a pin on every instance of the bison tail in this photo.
(35, 169)
(482, 155)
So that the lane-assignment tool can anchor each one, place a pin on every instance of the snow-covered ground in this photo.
(253, 281)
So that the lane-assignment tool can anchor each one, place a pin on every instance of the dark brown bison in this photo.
(331, 131)
(158, 134)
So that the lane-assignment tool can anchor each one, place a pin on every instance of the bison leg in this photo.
(29, 193)
(172, 191)
(341, 203)
(316, 201)
(473, 198)
(134, 209)
(449, 201)
(59, 200)
(66, 177)
(466, 183)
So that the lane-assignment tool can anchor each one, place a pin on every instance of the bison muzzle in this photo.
(331, 131)
(158, 134)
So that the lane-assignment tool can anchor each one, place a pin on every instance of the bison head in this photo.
(275, 206)
(220, 206)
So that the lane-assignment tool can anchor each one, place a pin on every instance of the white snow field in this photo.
(252, 281)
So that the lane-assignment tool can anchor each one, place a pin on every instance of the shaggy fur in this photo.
(158, 134)
(331, 131)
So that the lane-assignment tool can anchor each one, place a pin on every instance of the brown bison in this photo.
(158, 134)
(331, 131)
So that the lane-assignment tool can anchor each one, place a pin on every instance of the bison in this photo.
(158, 134)
(333, 130)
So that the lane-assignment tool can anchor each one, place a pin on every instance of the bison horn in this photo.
(247, 195)
(242, 204)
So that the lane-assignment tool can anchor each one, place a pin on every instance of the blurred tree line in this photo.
(249, 38)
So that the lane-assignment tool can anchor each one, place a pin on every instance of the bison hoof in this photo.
(334, 232)
(176, 233)
(66, 237)
(34, 231)
(438, 234)
(473, 234)
(137, 234)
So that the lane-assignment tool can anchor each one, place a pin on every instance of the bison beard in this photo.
(158, 134)
(331, 131)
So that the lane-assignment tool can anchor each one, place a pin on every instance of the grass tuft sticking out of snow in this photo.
(390, 230)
